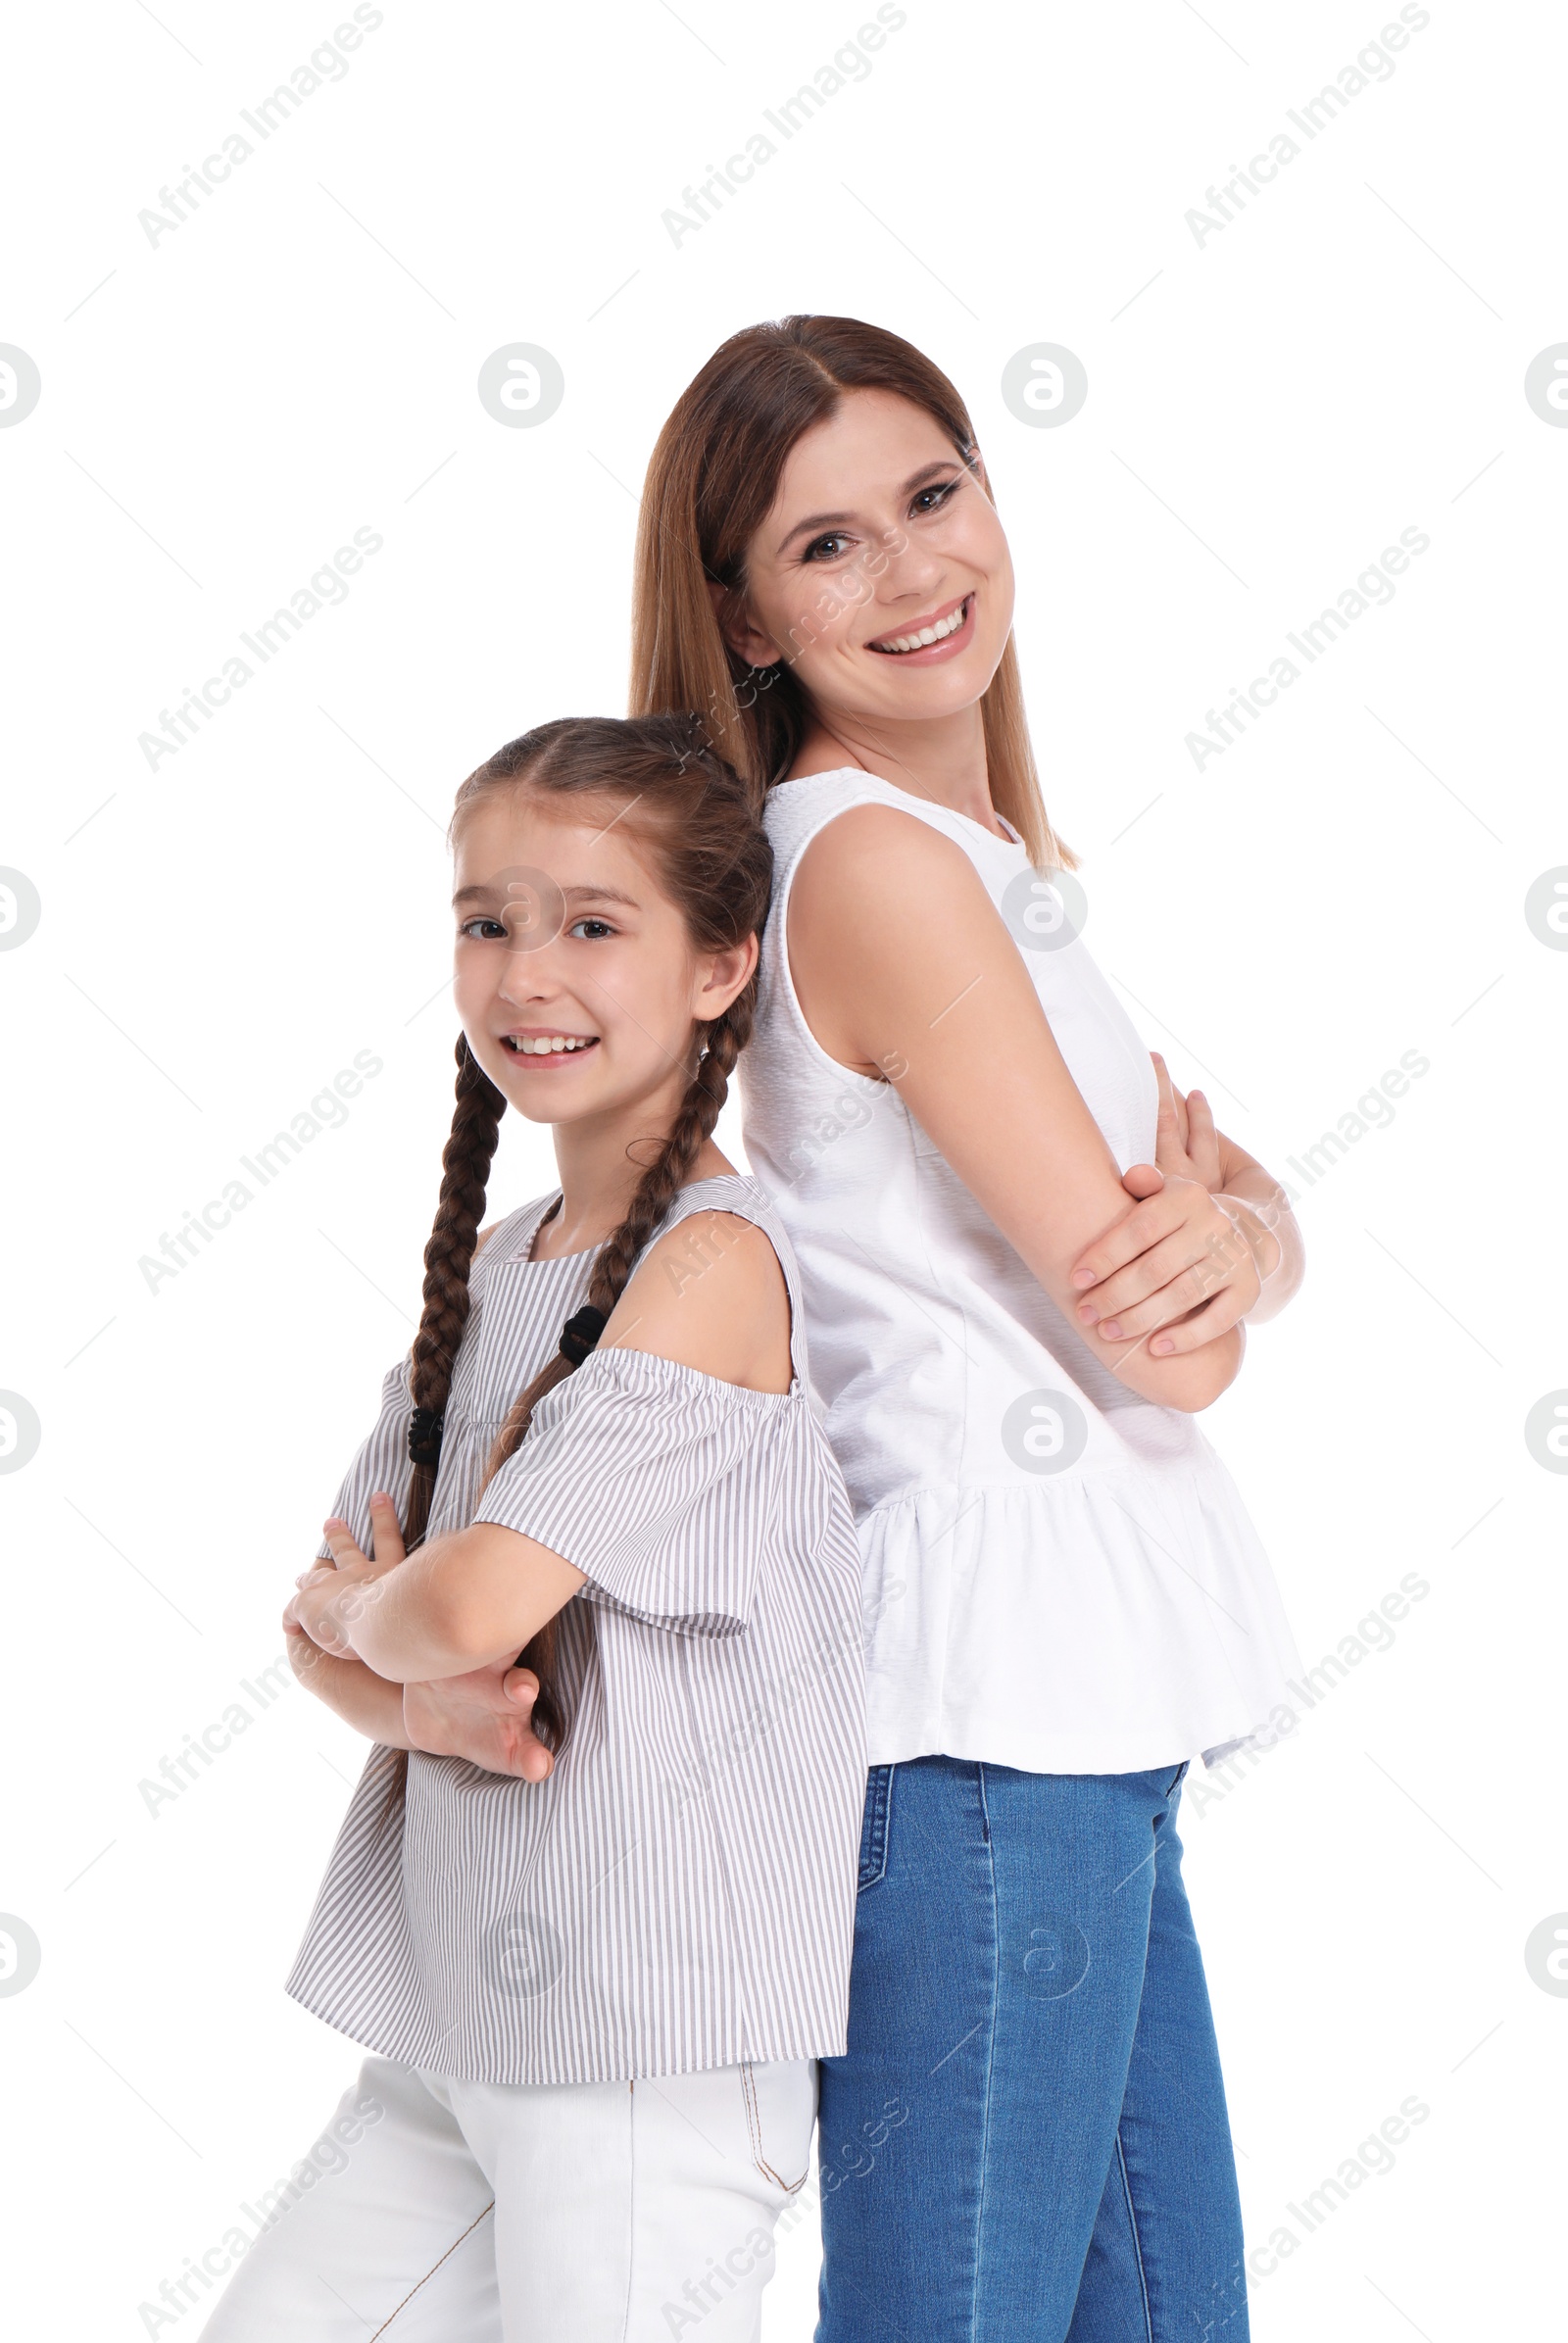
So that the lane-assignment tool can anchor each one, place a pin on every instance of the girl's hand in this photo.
(333, 1593)
(354, 1693)
(484, 1717)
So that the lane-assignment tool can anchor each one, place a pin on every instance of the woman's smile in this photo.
(927, 641)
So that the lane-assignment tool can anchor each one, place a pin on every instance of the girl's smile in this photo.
(541, 1047)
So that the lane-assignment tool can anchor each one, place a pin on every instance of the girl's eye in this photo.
(822, 548)
(483, 930)
(591, 930)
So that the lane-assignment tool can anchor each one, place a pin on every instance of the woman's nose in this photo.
(910, 570)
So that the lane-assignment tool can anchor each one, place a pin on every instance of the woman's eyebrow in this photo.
(822, 520)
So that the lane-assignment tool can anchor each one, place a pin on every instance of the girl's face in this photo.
(882, 573)
(576, 978)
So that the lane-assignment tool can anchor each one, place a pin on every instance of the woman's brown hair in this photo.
(701, 825)
(711, 482)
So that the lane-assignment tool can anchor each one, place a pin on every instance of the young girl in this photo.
(949, 1107)
(594, 1967)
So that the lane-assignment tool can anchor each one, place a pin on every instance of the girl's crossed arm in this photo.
(349, 1688)
(709, 1295)
(485, 1717)
(466, 1600)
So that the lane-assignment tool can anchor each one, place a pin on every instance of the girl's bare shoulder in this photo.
(711, 1293)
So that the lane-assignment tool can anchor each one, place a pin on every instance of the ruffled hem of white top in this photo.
(1179, 1582)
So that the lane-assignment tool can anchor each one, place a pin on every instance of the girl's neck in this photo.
(943, 759)
(598, 1182)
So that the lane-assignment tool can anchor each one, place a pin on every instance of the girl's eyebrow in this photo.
(824, 520)
(483, 891)
(600, 895)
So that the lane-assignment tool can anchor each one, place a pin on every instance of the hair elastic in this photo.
(425, 1435)
(580, 1333)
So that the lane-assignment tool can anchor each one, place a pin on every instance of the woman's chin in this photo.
(929, 695)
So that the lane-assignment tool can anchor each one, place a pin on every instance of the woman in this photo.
(1067, 1602)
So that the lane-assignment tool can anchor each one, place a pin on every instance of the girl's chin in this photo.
(543, 1100)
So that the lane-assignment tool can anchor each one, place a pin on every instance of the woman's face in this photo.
(882, 573)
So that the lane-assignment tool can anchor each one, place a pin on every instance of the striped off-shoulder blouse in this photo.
(680, 1892)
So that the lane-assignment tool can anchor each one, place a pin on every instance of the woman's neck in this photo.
(943, 759)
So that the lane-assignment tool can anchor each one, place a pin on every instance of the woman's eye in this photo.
(591, 930)
(821, 549)
(483, 930)
(932, 499)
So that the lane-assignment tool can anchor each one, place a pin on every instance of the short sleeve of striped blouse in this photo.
(656, 1482)
(381, 1463)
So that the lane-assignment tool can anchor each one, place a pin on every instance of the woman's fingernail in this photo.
(1083, 1277)
(1086, 1311)
(1112, 1330)
(1162, 1346)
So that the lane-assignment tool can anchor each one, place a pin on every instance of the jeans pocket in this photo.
(874, 1827)
(780, 2116)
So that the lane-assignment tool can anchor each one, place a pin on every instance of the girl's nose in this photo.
(526, 979)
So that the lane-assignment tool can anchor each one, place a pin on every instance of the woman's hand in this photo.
(1186, 1144)
(923, 1000)
(485, 1717)
(1182, 1268)
(1189, 1259)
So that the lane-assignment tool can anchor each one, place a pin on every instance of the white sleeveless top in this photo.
(1058, 1575)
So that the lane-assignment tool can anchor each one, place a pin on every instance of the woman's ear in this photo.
(746, 640)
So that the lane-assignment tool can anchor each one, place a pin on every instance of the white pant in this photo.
(437, 2211)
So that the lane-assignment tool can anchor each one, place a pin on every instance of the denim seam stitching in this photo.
(1138, 2248)
(632, 2129)
(754, 2122)
(434, 2267)
(990, 2053)
(875, 1828)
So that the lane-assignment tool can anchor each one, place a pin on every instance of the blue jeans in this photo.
(1027, 2140)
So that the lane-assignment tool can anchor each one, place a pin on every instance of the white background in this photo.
(1267, 409)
